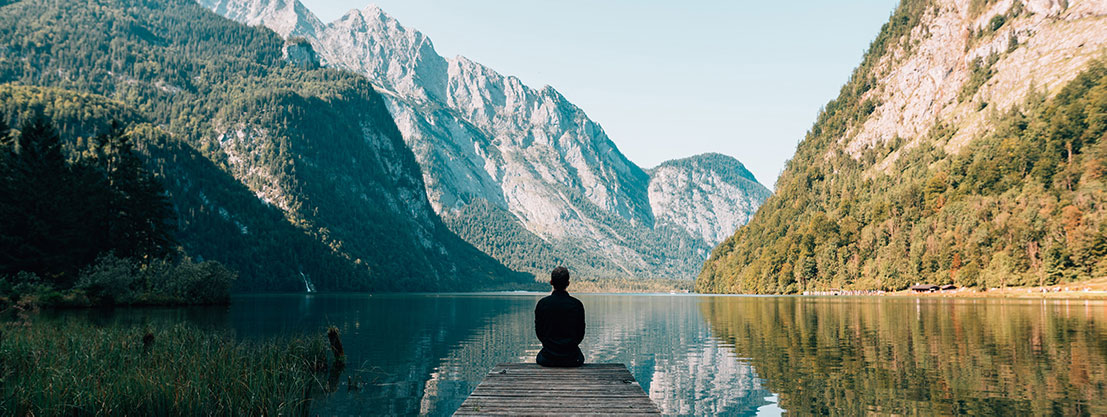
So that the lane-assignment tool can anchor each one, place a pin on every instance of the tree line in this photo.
(92, 227)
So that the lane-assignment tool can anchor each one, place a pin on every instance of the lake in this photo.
(731, 355)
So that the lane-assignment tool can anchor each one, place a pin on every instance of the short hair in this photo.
(559, 278)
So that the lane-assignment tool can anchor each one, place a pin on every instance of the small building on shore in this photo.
(924, 288)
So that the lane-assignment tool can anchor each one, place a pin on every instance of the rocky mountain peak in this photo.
(402, 60)
(286, 17)
(708, 195)
(496, 152)
(724, 164)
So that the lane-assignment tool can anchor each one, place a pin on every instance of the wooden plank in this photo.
(529, 389)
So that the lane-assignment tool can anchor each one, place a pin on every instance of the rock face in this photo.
(495, 151)
(1039, 44)
(288, 18)
(941, 160)
(299, 52)
(709, 195)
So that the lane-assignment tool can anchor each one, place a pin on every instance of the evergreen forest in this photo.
(83, 222)
(291, 175)
(1021, 206)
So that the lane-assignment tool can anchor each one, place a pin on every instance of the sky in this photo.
(665, 79)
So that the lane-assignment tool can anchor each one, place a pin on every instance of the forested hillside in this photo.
(294, 176)
(202, 228)
(968, 148)
(82, 221)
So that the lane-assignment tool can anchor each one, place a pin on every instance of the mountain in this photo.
(709, 195)
(967, 148)
(295, 176)
(521, 173)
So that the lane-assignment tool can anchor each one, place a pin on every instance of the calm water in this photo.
(423, 354)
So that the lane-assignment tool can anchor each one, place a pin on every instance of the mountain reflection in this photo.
(424, 354)
(857, 356)
(669, 349)
(663, 340)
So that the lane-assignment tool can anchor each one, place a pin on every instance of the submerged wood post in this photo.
(530, 389)
(147, 341)
(339, 359)
(336, 345)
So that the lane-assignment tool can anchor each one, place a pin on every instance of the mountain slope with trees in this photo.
(293, 175)
(527, 162)
(967, 148)
(82, 220)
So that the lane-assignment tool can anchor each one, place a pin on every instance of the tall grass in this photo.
(73, 368)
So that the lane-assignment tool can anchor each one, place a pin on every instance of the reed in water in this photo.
(53, 367)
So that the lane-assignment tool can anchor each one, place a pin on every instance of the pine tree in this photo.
(8, 198)
(35, 225)
(5, 136)
(53, 213)
(140, 216)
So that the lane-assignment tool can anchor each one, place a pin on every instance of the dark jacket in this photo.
(559, 324)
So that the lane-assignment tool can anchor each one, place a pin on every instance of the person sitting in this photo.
(559, 324)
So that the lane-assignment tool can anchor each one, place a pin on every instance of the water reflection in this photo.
(857, 356)
(669, 349)
(705, 355)
(394, 343)
(424, 354)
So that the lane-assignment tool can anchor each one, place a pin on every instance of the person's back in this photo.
(559, 324)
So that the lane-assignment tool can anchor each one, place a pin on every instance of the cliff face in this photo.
(1021, 45)
(942, 159)
(493, 150)
(708, 195)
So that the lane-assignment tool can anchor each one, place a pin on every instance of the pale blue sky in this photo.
(665, 79)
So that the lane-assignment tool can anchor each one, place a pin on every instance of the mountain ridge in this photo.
(489, 141)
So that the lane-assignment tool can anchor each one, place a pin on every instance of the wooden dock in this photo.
(529, 389)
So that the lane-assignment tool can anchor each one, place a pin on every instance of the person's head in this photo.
(559, 278)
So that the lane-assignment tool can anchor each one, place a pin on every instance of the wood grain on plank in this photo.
(529, 389)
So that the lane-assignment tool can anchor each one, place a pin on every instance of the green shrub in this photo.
(25, 285)
(997, 22)
(111, 280)
(195, 283)
(120, 281)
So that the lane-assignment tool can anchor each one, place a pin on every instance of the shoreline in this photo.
(1028, 293)
(1095, 289)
